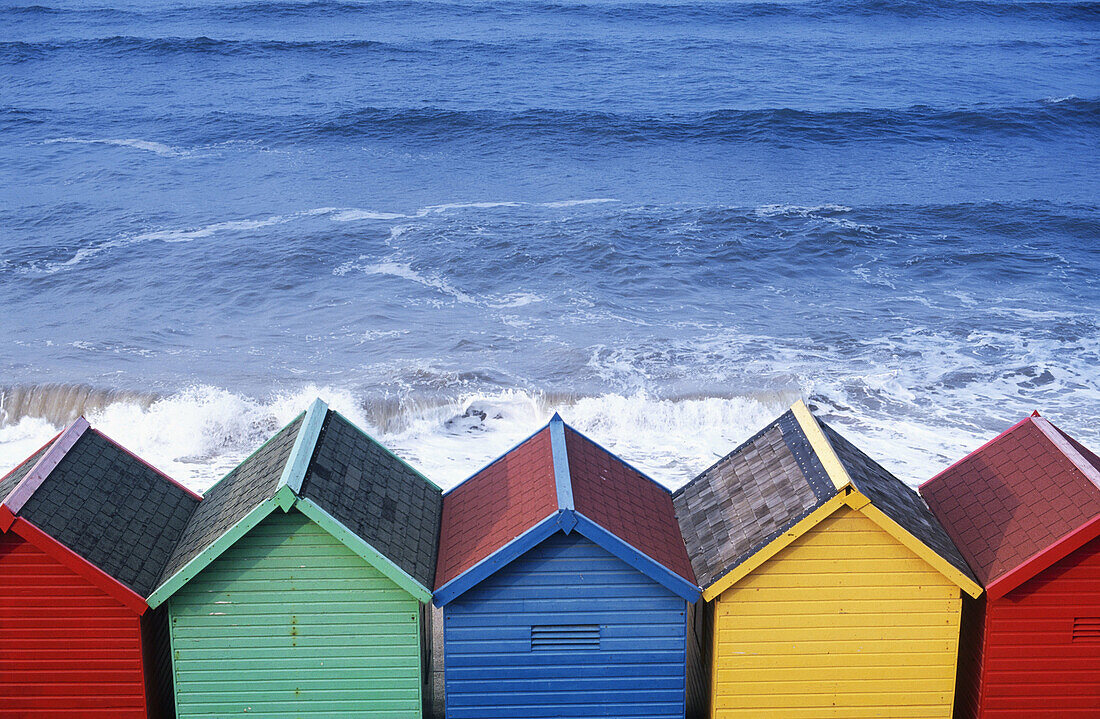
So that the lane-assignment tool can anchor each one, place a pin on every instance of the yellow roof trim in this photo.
(919, 548)
(821, 446)
(773, 547)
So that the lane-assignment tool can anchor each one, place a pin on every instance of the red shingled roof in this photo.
(519, 490)
(1015, 497)
(495, 506)
(626, 503)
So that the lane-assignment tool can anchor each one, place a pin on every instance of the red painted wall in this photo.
(66, 647)
(1031, 665)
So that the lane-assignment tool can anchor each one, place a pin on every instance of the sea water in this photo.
(666, 220)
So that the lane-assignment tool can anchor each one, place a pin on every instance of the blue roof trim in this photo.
(562, 481)
(498, 560)
(500, 457)
(639, 560)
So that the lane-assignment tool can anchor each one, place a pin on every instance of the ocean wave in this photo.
(199, 433)
(663, 11)
(157, 148)
(1068, 117)
(1042, 120)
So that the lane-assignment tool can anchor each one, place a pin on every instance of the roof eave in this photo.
(1042, 560)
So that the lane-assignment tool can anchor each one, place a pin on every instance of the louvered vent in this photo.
(565, 637)
(1086, 629)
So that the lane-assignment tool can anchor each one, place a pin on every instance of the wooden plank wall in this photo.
(289, 622)
(637, 668)
(845, 622)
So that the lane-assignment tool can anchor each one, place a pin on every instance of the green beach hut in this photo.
(299, 585)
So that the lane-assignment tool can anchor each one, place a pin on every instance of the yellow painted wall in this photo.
(845, 623)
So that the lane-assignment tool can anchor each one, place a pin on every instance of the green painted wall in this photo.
(290, 623)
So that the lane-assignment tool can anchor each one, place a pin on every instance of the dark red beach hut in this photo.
(1024, 510)
(85, 530)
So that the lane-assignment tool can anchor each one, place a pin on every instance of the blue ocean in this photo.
(665, 219)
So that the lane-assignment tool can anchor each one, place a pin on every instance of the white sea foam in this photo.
(158, 148)
(198, 434)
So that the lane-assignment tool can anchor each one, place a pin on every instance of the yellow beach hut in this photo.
(836, 593)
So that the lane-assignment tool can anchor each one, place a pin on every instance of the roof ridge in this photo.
(301, 452)
(823, 448)
(45, 465)
(559, 453)
(1054, 435)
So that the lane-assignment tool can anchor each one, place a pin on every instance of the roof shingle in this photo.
(626, 503)
(749, 497)
(113, 510)
(496, 505)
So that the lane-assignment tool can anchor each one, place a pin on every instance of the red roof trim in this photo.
(967, 456)
(78, 564)
(163, 475)
(1064, 546)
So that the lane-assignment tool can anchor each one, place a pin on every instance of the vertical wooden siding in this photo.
(290, 623)
(1032, 666)
(845, 622)
(638, 670)
(66, 647)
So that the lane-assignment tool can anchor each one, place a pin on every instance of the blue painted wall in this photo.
(638, 670)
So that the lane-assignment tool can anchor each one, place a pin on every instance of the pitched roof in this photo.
(104, 504)
(749, 497)
(627, 503)
(497, 504)
(1017, 499)
(247, 486)
(559, 474)
(338, 476)
(895, 499)
(781, 476)
(377, 496)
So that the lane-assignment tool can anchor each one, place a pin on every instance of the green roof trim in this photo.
(302, 452)
(371, 555)
(208, 555)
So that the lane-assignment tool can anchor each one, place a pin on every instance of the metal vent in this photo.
(565, 637)
(1086, 629)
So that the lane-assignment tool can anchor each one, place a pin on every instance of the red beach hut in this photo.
(85, 530)
(1025, 512)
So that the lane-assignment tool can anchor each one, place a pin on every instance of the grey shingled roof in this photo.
(894, 499)
(749, 497)
(377, 496)
(113, 510)
(252, 482)
(14, 477)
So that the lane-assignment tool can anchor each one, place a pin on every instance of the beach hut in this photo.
(297, 588)
(1025, 511)
(85, 529)
(835, 591)
(565, 587)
